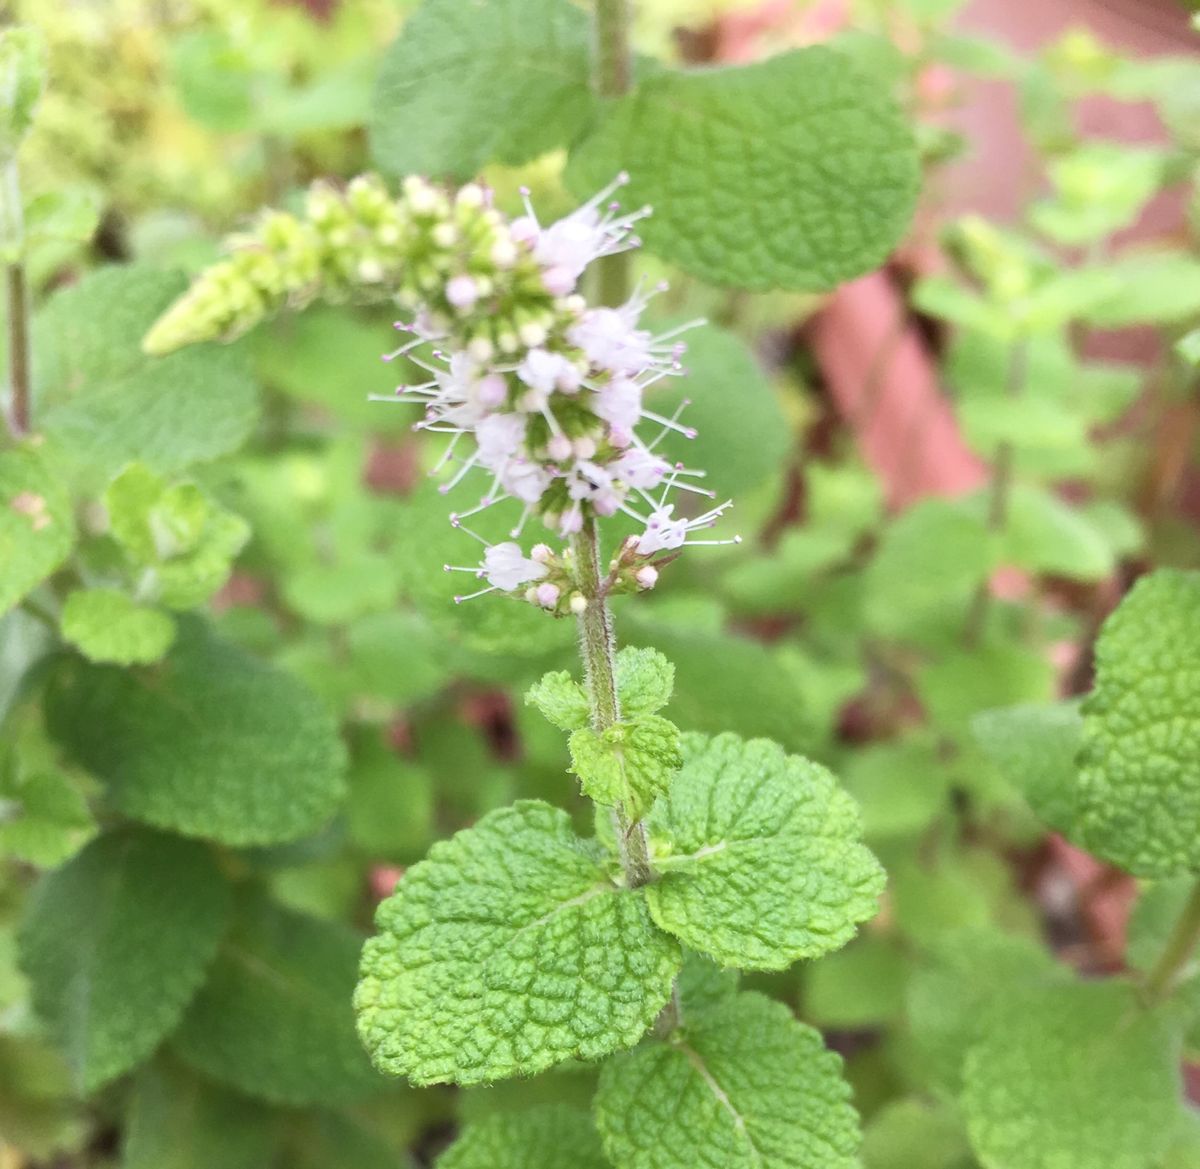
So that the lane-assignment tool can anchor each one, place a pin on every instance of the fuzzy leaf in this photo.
(1073, 1077)
(630, 764)
(794, 173)
(178, 1121)
(116, 943)
(760, 856)
(560, 699)
(36, 526)
(645, 680)
(1034, 748)
(209, 743)
(508, 950)
(109, 626)
(478, 81)
(547, 1136)
(742, 1085)
(1139, 786)
(274, 1018)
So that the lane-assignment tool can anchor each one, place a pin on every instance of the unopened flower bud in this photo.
(646, 576)
(547, 595)
(578, 604)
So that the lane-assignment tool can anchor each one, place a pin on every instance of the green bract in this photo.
(630, 763)
(117, 942)
(821, 156)
(1139, 785)
(511, 948)
(740, 1085)
(761, 856)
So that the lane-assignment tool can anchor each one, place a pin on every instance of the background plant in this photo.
(864, 640)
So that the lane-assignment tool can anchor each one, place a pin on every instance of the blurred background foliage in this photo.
(854, 624)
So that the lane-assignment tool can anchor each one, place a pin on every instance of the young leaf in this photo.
(793, 173)
(760, 856)
(645, 680)
(43, 817)
(109, 626)
(1034, 748)
(508, 950)
(274, 1018)
(560, 699)
(209, 743)
(116, 943)
(36, 525)
(1078, 1076)
(1139, 787)
(548, 1136)
(466, 84)
(179, 1121)
(741, 1085)
(630, 763)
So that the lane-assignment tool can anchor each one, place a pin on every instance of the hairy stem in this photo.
(1000, 491)
(598, 647)
(1178, 951)
(612, 76)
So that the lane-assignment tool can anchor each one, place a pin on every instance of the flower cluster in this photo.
(551, 406)
(541, 392)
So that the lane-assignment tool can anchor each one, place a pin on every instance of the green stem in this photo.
(19, 419)
(1000, 493)
(1178, 951)
(12, 239)
(598, 647)
(613, 76)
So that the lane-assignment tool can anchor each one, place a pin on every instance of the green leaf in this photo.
(630, 764)
(950, 990)
(1034, 748)
(1045, 534)
(178, 1121)
(508, 950)
(645, 680)
(43, 817)
(900, 786)
(742, 1085)
(794, 173)
(928, 565)
(859, 987)
(911, 1132)
(210, 742)
(36, 525)
(487, 80)
(274, 1018)
(1139, 786)
(760, 856)
(390, 810)
(1153, 921)
(22, 79)
(1073, 1077)
(561, 700)
(743, 438)
(1145, 288)
(70, 214)
(549, 1136)
(997, 673)
(109, 626)
(117, 942)
(190, 407)
(183, 541)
